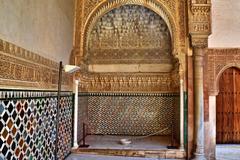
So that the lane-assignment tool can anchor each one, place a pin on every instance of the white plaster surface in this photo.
(225, 24)
(130, 68)
(42, 26)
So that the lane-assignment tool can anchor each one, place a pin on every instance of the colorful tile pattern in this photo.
(65, 127)
(28, 125)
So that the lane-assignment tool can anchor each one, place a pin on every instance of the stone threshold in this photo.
(162, 153)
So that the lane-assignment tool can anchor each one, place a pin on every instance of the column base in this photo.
(75, 146)
(199, 157)
(181, 148)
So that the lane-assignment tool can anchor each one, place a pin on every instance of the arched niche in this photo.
(130, 48)
(130, 38)
(105, 6)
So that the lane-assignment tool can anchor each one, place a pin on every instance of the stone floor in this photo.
(99, 157)
(153, 146)
(228, 152)
(113, 142)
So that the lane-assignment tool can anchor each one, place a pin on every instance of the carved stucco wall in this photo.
(44, 27)
(172, 11)
(130, 34)
(23, 69)
(88, 14)
(218, 61)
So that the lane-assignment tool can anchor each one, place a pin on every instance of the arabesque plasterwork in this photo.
(123, 82)
(93, 10)
(129, 34)
(165, 8)
(200, 22)
(173, 12)
(218, 61)
(24, 69)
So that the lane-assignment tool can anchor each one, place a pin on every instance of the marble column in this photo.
(198, 53)
(75, 141)
(181, 115)
(212, 120)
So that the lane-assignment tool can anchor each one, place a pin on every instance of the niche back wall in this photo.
(132, 114)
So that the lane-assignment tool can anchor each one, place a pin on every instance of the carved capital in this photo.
(200, 17)
(214, 92)
(199, 41)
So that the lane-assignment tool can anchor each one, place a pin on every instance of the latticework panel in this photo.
(131, 114)
(28, 125)
(82, 115)
(177, 120)
(65, 126)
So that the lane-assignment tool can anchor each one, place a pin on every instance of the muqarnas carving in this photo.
(130, 34)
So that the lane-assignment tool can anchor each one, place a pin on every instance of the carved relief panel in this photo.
(141, 37)
(130, 34)
(200, 22)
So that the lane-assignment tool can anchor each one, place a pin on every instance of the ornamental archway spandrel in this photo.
(90, 5)
(218, 61)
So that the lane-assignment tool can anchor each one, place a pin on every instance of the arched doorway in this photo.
(228, 115)
(228, 108)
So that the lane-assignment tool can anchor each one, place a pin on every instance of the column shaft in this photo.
(181, 115)
(75, 141)
(199, 102)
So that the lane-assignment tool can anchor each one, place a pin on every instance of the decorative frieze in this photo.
(21, 68)
(18, 52)
(104, 82)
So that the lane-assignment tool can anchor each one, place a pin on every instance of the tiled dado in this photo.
(28, 125)
(21, 68)
(130, 113)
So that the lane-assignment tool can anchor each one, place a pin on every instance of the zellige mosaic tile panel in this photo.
(131, 114)
(28, 125)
